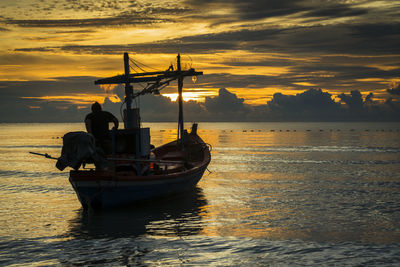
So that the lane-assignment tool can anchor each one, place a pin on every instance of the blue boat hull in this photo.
(113, 192)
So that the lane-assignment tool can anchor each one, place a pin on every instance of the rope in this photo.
(132, 61)
(120, 110)
(146, 65)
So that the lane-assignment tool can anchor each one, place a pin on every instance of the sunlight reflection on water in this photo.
(274, 190)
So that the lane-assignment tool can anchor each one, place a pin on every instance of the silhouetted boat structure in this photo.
(136, 171)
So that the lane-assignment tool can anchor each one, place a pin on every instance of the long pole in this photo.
(129, 124)
(44, 155)
(180, 100)
(128, 94)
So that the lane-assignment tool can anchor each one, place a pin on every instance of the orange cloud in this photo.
(79, 99)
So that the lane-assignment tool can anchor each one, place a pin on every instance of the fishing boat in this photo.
(136, 170)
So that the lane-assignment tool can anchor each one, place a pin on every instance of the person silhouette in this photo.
(97, 124)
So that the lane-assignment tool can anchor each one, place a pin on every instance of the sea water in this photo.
(274, 194)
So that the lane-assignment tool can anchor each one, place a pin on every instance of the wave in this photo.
(333, 149)
(31, 174)
(31, 146)
(194, 251)
(256, 159)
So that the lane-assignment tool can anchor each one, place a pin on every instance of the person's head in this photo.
(96, 107)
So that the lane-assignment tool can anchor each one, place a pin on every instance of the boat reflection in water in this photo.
(178, 215)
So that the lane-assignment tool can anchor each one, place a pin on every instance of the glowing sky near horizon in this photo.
(253, 48)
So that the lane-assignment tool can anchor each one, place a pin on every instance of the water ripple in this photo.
(333, 149)
(194, 251)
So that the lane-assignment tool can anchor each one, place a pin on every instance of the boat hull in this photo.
(110, 191)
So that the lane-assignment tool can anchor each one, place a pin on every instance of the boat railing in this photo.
(148, 160)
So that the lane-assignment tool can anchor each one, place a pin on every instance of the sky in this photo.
(298, 60)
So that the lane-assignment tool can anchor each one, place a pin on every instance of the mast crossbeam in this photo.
(135, 77)
(156, 80)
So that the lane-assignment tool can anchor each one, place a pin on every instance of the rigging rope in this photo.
(133, 62)
(144, 65)
(120, 111)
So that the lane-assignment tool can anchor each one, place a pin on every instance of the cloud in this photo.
(242, 81)
(313, 104)
(91, 22)
(376, 30)
(395, 90)
(158, 108)
(336, 11)
(316, 105)
(288, 45)
(223, 107)
(310, 105)
(316, 41)
(225, 101)
(203, 43)
(354, 101)
(251, 9)
(357, 108)
(368, 98)
(59, 86)
(339, 76)
(32, 101)
(74, 31)
(32, 110)
(90, 13)
(184, 45)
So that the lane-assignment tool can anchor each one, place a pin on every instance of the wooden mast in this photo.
(154, 80)
(180, 101)
(128, 94)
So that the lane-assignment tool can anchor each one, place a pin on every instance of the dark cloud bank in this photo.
(310, 105)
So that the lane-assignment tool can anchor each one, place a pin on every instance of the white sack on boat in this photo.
(78, 148)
